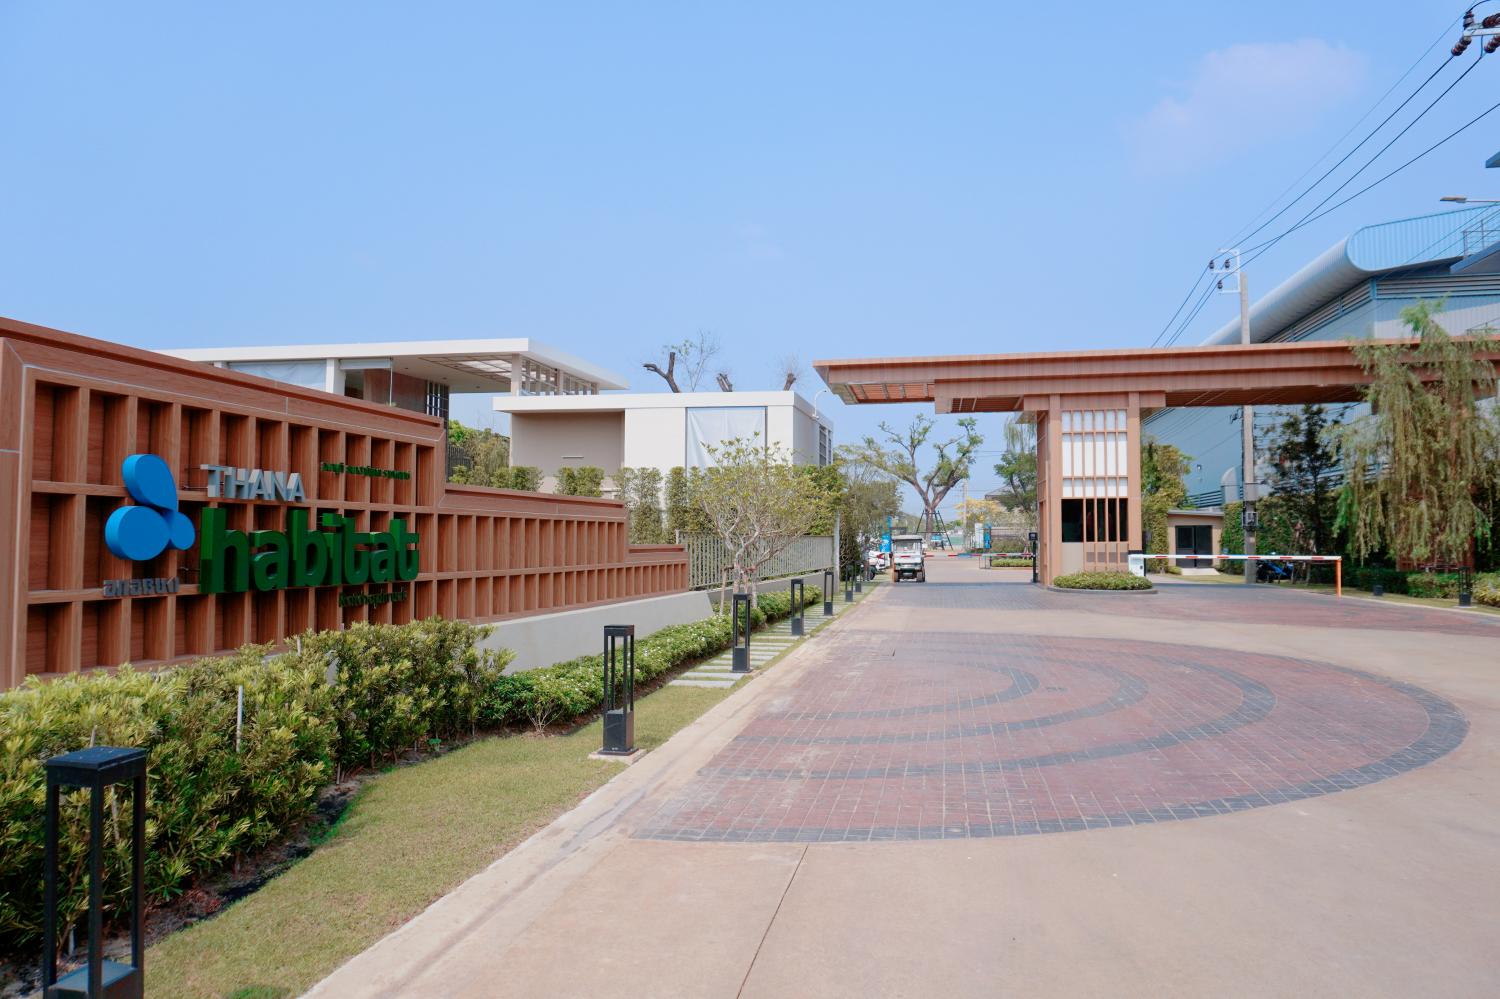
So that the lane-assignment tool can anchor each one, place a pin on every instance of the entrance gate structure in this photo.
(1088, 406)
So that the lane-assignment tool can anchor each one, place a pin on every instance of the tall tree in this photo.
(1418, 464)
(695, 354)
(1303, 463)
(898, 456)
(1017, 471)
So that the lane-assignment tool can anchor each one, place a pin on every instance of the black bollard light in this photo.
(848, 590)
(1465, 586)
(97, 768)
(859, 585)
(1378, 590)
(1031, 538)
(741, 663)
(798, 600)
(828, 593)
(619, 689)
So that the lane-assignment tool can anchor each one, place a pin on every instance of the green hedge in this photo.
(1101, 581)
(1002, 562)
(566, 690)
(398, 686)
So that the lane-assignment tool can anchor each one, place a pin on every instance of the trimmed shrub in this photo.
(1487, 589)
(397, 686)
(1433, 584)
(1002, 562)
(1101, 581)
(209, 802)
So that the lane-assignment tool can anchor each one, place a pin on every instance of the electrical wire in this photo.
(1376, 183)
(1242, 235)
(1394, 139)
(1259, 228)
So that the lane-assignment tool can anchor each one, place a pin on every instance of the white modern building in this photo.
(418, 374)
(660, 430)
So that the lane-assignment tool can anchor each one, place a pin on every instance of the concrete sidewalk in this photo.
(742, 858)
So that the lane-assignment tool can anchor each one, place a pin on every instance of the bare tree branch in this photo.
(669, 375)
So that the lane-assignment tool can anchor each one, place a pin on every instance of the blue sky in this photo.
(826, 180)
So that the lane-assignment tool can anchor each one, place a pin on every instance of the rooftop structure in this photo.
(417, 374)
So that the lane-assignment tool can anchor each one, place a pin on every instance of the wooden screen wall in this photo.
(71, 409)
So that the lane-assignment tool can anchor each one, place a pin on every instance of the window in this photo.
(437, 400)
(1094, 520)
(825, 446)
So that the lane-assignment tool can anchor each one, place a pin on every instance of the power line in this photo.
(1242, 235)
(1372, 133)
(1394, 139)
(1376, 183)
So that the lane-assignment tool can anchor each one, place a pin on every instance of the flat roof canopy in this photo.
(481, 365)
(1220, 375)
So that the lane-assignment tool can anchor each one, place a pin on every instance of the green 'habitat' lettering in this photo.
(229, 560)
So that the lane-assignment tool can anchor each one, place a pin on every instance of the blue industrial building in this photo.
(1358, 287)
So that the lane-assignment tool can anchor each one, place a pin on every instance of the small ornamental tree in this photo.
(756, 502)
(1417, 466)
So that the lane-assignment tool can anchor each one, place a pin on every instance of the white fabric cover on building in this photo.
(711, 426)
(308, 374)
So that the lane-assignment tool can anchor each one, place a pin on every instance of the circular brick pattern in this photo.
(1041, 734)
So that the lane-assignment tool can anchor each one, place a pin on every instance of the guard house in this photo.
(417, 375)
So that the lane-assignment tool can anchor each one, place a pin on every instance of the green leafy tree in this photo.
(683, 514)
(585, 480)
(1017, 471)
(1417, 466)
(1163, 488)
(478, 457)
(897, 454)
(1303, 463)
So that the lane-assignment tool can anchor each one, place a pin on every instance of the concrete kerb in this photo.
(517, 887)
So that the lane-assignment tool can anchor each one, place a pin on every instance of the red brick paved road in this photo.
(917, 735)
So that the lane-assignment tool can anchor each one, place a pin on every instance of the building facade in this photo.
(661, 430)
(283, 508)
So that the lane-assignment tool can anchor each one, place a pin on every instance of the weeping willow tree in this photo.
(1417, 464)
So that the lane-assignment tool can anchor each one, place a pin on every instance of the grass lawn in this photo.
(412, 836)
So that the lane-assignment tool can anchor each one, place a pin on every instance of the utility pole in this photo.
(1248, 489)
(1247, 442)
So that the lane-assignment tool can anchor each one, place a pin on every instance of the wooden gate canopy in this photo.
(1222, 375)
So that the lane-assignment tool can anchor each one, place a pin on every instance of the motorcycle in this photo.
(1268, 571)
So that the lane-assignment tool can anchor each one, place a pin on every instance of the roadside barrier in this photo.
(1139, 562)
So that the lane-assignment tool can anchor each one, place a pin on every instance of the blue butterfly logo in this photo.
(143, 531)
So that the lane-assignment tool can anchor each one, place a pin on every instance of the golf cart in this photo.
(908, 558)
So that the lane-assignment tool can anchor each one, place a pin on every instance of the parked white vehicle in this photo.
(878, 560)
(908, 558)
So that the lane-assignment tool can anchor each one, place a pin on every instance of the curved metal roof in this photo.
(1368, 252)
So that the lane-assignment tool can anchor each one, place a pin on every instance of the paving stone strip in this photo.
(765, 645)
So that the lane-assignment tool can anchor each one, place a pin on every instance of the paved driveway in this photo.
(976, 787)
